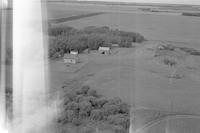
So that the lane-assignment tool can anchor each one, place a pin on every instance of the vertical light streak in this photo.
(29, 65)
(3, 122)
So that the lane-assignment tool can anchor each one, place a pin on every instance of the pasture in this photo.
(135, 74)
(124, 73)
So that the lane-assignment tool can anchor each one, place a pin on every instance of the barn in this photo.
(71, 59)
(105, 50)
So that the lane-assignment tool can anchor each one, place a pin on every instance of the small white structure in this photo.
(71, 59)
(115, 45)
(105, 50)
(74, 52)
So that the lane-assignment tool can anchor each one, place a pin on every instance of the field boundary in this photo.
(61, 20)
(169, 117)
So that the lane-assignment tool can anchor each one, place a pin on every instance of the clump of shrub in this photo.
(85, 104)
(65, 39)
(97, 114)
(195, 14)
(190, 51)
(169, 62)
(119, 119)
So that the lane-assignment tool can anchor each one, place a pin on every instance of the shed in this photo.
(74, 53)
(104, 50)
(114, 45)
(70, 58)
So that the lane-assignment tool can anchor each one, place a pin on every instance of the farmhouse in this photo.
(104, 50)
(71, 58)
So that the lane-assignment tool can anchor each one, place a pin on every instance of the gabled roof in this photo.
(104, 48)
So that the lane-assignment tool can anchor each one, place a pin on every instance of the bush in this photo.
(97, 114)
(110, 109)
(125, 42)
(89, 99)
(85, 89)
(124, 108)
(120, 129)
(80, 98)
(85, 106)
(87, 129)
(69, 115)
(76, 121)
(66, 100)
(92, 93)
(71, 96)
(115, 100)
(83, 114)
(99, 102)
(72, 106)
(197, 14)
(169, 62)
(119, 119)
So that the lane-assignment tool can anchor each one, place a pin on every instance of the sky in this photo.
(192, 2)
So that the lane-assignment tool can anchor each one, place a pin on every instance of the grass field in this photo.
(178, 125)
(154, 26)
(135, 74)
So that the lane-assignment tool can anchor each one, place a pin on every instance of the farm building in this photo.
(71, 58)
(74, 52)
(115, 45)
(105, 50)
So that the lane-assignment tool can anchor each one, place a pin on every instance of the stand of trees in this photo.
(64, 39)
(197, 14)
(85, 106)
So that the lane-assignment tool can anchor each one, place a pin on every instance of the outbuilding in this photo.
(74, 53)
(115, 45)
(70, 59)
(105, 50)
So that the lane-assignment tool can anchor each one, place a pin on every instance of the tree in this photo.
(92, 93)
(72, 106)
(69, 115)
(119, 119)
(97, 114)
(85, 106)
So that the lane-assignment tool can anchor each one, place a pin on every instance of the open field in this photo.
(162, 82)
(169, 28)
(154, 26)
(174, 125)
(140, 79)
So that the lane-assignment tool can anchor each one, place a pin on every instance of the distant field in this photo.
(75, 17)
(181, 125)
(135, 74)
(154, 26)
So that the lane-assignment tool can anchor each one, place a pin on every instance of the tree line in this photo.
(84, 106)
(64, 39)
